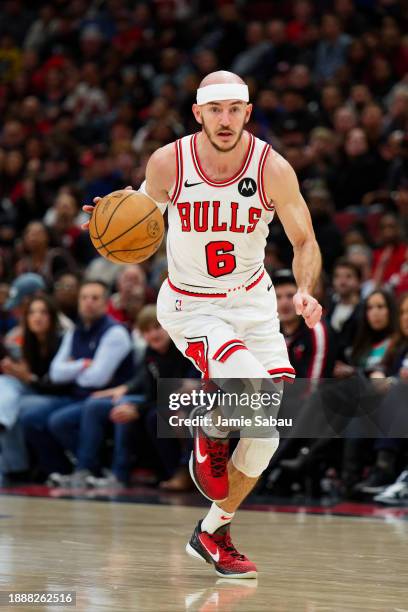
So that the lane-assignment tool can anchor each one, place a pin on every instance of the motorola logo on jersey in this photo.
(247, 187)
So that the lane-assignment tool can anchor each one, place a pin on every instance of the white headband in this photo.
(222, 91)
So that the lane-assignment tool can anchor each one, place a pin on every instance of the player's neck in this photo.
(219, 165)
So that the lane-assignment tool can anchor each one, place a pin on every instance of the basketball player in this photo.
(221, 187)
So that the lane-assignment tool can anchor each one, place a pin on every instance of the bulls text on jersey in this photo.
(211, 216)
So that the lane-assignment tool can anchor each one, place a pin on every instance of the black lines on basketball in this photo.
(99, 236)
(105, 244)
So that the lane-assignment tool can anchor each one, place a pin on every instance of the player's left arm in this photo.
(282, 187)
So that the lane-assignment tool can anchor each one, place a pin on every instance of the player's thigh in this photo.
(197, 327)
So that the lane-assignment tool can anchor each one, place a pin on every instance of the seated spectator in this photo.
(39, 257)
(343, 311)
(390, 256)
(124, 305)
(27, 376)
(395, 368)
(21, 291)
(132, 408)
(66, 291)
(311, 351)
(396, 365)
(96, 354)
(373, 336)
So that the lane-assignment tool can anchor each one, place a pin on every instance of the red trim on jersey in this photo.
(255, 282)
(279, 374)
(215, 295)
(237, 175)
(262, 196)
(179, 176)
(227, 344)
(192, 294)
(177, 172)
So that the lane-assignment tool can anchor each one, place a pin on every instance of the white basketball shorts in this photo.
(208, 329)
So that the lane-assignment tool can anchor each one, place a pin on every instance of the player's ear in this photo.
(248, 112)
(197, 113)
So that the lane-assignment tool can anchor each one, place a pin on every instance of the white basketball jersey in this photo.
(217, 229)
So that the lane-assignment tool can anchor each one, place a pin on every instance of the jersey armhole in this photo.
(262, 195)
(175, 191)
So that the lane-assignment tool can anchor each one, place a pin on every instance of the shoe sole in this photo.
(195, 480)
(192, 552)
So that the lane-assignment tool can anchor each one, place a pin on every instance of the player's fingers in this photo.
(88, 208)
(96, 200)
(85, 225)
(315, 317)
(310, 306)
(298, 303)
(129, 187)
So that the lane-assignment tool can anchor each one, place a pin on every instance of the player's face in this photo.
(284, 299)
(223, 122)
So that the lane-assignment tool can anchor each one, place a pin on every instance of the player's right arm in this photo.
(160, 177)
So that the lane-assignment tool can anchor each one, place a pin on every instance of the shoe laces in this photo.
(224, 542)
(218, 453)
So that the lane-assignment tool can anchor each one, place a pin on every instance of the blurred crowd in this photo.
(88, 90)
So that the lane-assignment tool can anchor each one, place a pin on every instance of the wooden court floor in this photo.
(120, 557)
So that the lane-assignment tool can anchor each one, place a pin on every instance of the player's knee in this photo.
(252, 455)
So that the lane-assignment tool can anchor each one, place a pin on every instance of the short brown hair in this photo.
(147, 318)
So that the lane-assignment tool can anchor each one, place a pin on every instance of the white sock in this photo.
(216, 518)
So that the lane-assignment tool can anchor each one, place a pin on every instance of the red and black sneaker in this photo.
(217, 548)
(208, 463)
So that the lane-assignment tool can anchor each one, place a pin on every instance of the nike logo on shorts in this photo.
(270, 287)
(187, 184)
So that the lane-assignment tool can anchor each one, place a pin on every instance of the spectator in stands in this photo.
(39, 257)
(27, 376)
(390, 256)
(129, 299)
(331, 52)
(310, 350)
(66, 291)
(376, 327)
(22, 289)
(343, 311)
(95, 354)
(395, 366)
(129, 413)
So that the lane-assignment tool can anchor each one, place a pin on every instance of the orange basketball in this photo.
(126, 227)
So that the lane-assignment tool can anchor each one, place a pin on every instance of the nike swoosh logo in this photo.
(200, 458)
(270, 287)
(225, 518)
(187, 184)
(215, 556)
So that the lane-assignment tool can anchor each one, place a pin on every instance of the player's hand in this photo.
(88, 209)
(307, 306)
